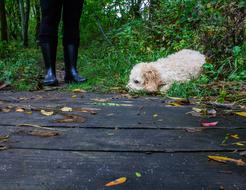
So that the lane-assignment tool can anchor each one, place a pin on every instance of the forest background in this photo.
(117, 34)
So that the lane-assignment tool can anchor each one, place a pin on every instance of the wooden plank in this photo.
(25, 169)
(138, 140)
(122, 117)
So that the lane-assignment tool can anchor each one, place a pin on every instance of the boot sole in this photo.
(54, 83)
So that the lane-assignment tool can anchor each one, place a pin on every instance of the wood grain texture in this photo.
(25, 169)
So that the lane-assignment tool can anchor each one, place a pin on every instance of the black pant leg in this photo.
(51, 15)
(72, 10)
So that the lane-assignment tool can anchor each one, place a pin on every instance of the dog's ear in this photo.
(152, 79)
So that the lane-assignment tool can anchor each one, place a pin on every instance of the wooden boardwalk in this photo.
(110, 136)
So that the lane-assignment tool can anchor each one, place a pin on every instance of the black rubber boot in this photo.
(49, 55)
(70, 59)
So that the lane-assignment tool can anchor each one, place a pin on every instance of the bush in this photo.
(21, 71)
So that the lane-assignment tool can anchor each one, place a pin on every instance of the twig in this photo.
(36, 126)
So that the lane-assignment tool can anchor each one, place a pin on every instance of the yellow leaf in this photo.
(78, 90)
(227, 159)
(116, 182)
(175, 104)
(47, 113)
(241, 113)
(235, 136)
(238, 144)
(67, 109)
(74, 96)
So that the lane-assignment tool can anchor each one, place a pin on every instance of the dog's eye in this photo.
(136, 81)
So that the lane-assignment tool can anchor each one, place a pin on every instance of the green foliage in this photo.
(111, 44)
(21, 71)
(212, 27)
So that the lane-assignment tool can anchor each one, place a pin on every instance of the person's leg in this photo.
(51, 14)
(71, 21)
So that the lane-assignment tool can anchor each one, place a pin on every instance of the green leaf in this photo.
(138, 174)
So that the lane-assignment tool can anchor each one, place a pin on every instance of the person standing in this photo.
(52, 12)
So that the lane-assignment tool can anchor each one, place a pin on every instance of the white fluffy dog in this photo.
(161, 74)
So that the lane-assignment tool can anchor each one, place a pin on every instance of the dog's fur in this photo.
(161, 74)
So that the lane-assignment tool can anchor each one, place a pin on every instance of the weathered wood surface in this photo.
(138, 115)
(166, 145)
(29, 169)
(138, 140)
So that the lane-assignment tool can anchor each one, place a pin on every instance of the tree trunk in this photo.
(38, 19)
(3, 19)
(24, 13)
(26, 23)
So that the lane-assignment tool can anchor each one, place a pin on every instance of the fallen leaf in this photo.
(197, 110)
(24, 98)
(67, 109)
(174, 104)
(194, 113)
(71, 119)
(110, 114)
(78, 90)
(138, 174)
(209, 124)
(20, 110)
(5, 110)
(224, 159)
(100, 99)
(243, 114)
(178, 101)
(74, 96)
(155, 115)
(2, 147)
(116, 182)
(4, 138)
(87, 110)
(235, 136)
(47, 113)
(28, 112)
(44, 133)
(238, 144)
